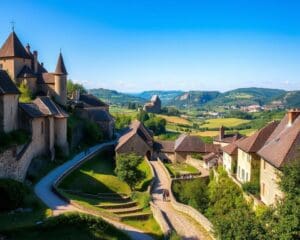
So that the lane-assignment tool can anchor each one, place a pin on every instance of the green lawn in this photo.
(96, 176)
(144, 166)
(176, 169)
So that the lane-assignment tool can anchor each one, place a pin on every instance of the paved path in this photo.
(43, 190)
(180, 222)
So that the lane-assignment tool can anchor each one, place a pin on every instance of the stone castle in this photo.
(154, 106)
(43, 118)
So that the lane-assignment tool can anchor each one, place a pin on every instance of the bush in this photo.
(93, 132)
(197, 156)
(12, 194)
(17, 137)
(251, 187)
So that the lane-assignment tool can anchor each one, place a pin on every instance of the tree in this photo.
(127, 169)
(284, 222)
(72, 87)
(26, 94)
(122, 121)
(156, 124)
(142, 116)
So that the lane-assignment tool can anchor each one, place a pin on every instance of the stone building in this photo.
(230, 155)
(225, 139)
(87, 106)
(23, 66)
(183, 148)
(282, 147)
(154, 106)
(43, 119)
(248, 163)
(9, 97)
(138, 139)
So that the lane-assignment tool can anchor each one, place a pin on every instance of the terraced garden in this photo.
(96, 187)
(179, 169)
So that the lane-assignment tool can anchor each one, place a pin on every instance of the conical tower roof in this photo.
(13, 48)
(60, 67)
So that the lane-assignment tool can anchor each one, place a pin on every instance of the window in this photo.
(243, 174)
(239, 170)
(247, 177)
(42, 127)
(264, 164)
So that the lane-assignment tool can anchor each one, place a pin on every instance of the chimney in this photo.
(28, 48)
(292, 115)
(35, 61)
(221, 133)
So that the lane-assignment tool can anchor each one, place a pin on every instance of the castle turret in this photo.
(13, 56)
(60, 79)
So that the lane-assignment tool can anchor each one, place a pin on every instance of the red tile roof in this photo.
(13, 48)
(284, 144)
(256, 141)
(187, 143)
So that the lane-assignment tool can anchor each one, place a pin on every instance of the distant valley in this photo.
(206, 99)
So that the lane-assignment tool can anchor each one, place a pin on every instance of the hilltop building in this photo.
(154, 106)
(43, 119)
(23, 66)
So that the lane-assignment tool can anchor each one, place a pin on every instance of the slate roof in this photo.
(136, 127)
(49, 108)
(7, 86)
(31, 110)
(26, 72)
(284, 144)
(91, 101)
(187, 143)
(60, 67)
(256, 141)
(13, 48)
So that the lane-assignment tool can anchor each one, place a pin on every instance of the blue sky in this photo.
(140, 45)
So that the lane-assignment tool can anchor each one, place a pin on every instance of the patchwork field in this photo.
(226, 122)
(176, 120)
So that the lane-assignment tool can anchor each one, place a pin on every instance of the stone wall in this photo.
(193, 213)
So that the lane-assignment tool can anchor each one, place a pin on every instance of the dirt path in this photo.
(43, 190)
(178, 221)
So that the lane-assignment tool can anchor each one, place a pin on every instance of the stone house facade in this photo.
(282, 147)
(138, 139)
(248, 163)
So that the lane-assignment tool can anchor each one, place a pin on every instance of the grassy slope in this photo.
(96, 176)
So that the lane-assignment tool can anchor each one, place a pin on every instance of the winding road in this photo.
(43, 190)
(186, 228)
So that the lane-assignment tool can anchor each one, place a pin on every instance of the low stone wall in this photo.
(159, 217)
(193, 213)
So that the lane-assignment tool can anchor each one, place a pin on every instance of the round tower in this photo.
(60, 81)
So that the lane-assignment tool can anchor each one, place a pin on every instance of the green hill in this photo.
(290, 99)
(114, 97)
(246, 96)
(165, 96)
(193, 98)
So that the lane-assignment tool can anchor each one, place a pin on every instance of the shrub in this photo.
(16, 137)
(251, 187)
(12, 194)
(197, 156)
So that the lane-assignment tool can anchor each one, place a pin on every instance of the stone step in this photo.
(121, 211)
(134, 216)
(117, 205)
